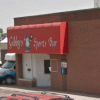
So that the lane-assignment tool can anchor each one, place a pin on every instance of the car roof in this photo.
(35, 96)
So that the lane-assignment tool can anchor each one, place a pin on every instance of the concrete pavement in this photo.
(10, 89)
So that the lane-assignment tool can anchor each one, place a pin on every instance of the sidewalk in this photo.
(17, 89)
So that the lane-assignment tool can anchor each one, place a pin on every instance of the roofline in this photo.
(59, 12)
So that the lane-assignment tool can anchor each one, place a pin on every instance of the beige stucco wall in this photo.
(3, 45)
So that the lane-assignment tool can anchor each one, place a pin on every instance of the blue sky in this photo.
(10, 9)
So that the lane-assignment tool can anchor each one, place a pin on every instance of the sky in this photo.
(10, 9)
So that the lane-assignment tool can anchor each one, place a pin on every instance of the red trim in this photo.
(64, 37)
(34, 26)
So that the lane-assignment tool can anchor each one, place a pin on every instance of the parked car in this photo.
(34, 96)
(8, 69)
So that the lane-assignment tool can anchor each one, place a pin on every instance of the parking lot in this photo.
(12, 89)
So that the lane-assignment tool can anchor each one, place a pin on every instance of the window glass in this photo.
(8, 64)
(2, 98)
(60, 99)
(64, 66)
(25, 99)
(13, 99)
(14, 66)
(46, 66)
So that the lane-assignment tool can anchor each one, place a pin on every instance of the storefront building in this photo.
(3, 50)
(36, 43)
(69, 42)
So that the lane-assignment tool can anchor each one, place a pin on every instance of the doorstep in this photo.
(26, 82)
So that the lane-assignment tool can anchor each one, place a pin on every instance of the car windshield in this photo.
(2, 98)
(61, 99)
(8, 64)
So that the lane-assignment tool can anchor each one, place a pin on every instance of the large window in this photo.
(46, 66)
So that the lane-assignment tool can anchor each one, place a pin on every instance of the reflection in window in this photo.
(13, 99)
(25, 99)
(2, 98)
(8, 64)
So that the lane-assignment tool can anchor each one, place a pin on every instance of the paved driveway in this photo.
(11, 89)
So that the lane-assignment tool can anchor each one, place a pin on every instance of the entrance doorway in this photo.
(36, 66)
(27, 66)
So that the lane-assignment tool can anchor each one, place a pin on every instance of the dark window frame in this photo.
(46, 68)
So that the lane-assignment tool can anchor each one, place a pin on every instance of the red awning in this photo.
(48, 38)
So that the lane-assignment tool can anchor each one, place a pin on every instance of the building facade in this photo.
(82, 67)
(3, 50)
